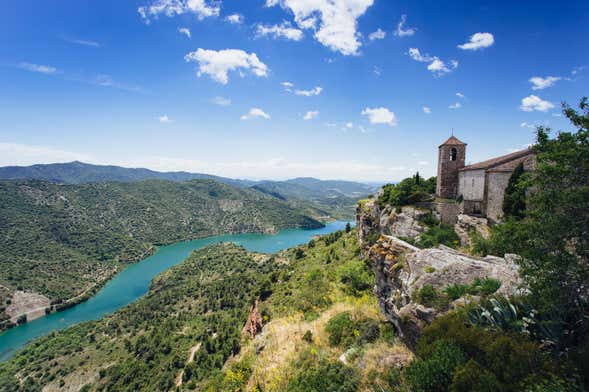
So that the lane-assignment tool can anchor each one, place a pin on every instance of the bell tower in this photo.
(452, 154)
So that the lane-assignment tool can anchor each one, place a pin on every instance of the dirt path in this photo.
(193, 352)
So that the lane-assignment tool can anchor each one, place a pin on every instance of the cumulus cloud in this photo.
(478, 41)
(45, 69)
(436, 65)
(309, 93)
(539, 83)
(427, 110)
(534, 103)
(255, 113)
(284, 30)
(221, 101)
(403, 31)
(456, 105)
(311, 115)
(217, 64)
(334, 22)
(460, 95)
(378, 34)
(201, 8)
(164, 119)
(380, 115)
(185, 31)
(235, 18)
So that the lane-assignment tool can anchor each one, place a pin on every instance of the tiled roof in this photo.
(452, 141)
(502, 163)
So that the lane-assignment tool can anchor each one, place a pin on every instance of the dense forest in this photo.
(61, 240)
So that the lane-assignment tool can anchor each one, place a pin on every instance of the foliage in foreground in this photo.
(409, 191)
(552, 236)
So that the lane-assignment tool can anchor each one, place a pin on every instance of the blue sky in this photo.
(284, 88)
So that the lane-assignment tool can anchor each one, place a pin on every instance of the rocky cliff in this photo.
(404, 272)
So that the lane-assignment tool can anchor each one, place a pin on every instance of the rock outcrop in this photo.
(406, 222)
(467, 224)
(402, 270)
(254, 322)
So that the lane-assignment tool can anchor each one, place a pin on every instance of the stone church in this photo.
(478, 188)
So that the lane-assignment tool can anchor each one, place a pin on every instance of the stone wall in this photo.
(472, 185)
(496, 185)
(448, 211)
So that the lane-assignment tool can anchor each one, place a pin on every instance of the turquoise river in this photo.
(133, 282)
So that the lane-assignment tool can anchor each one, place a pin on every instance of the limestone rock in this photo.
(401, 270)
(254, 322)
(466, 224)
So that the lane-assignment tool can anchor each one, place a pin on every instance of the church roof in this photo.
(503, 163)
(452, 141)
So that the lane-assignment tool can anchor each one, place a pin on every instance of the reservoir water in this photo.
(133, 282)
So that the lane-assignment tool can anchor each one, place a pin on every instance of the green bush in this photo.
(356, 278)
(314, 374)
(436, 235)
(409, 191)
(340, 329)
(472, 377)
(435, 372)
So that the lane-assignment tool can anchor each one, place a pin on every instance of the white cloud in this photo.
(349, 125)
(423, 163)
(436, 65)
(255, 113)
(539, 83)
(456, 105)
(164, 119)
(402, 31)
(460, 95)
(284, 30)
(380, 115)
(309, 93)
(377, 71)
(334, 22)
(185, 31)
(221, 101)
(82, 42)
(23, 154)
(478, 41)
(527, 125)
(217, 64)
(311, 115)
(235, 18)
(46, 69)
(427, 110)
(287, 86)
(533, 102)
(378, 34)
(330, 125)
(201, 8)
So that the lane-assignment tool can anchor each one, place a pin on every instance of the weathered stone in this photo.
(254, 322)
(401, 270)
(467, 224)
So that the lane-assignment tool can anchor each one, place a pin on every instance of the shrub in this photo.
(308, 336)
(340, 329)
(455, 291)
(436, 235)
(356, 278)
(428, 296)
(369, 331)
(434, 373)
(485, 286)
(472, 377)
(315, 374)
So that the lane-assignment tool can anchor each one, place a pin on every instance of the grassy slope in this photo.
(203, 303)
(60, 240)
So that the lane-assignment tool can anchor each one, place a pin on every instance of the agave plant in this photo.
(513, 315)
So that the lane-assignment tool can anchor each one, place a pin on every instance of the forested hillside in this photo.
(316, 302)
(61, 240)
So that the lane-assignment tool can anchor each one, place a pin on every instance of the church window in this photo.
(453, 154)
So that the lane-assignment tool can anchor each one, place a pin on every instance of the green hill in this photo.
(186, 333)
(63, 240)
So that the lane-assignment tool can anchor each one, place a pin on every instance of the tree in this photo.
(348, 227)
(514, 202)
(553, 237)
